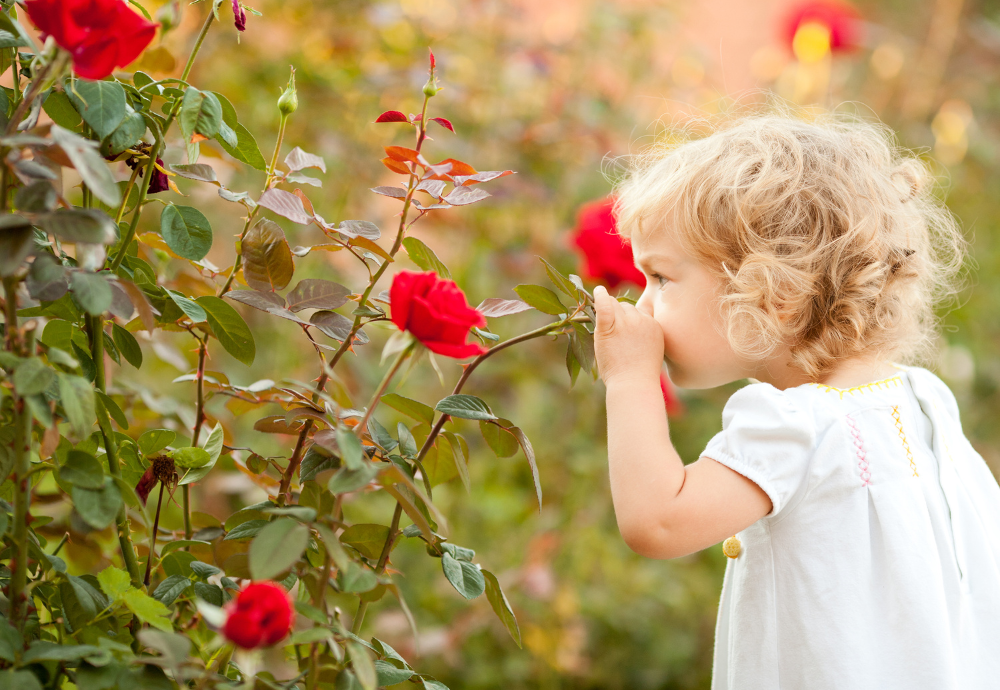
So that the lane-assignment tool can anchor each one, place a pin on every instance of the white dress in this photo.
(879, 565)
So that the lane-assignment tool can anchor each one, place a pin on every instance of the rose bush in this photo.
(132, 603)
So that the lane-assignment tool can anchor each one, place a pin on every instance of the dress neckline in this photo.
(885, 384)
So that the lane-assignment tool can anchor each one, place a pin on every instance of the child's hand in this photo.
(628, 342)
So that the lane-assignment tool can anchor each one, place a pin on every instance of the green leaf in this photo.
(230, 328)
(60, 108)
(87, 225)
(80, 600)
(191, 309)
(16, 244)
(12, 35)
(351, 451)
(412, 408)
(246, 149)
(77, 399)
(228, 111)
(190, 458)
(559, 280)
(32, 377)
(362, 664)
(37, 197)
(267, 258)
(182, 543)
(465, 577)
(501, 607)
(101, 103)
(465, 407)
(356, 579)
(186, 231)
(204, 570)
(213, 444)
(44, 650)
(127, 134)
(148, 609)
(246, 530)
(127, 345)
(94, 170)
(541, 298)
(277, 548)
(114, 581)
(346, 479)
(91, 291)
(458, 552)
(22, 680)
(388, 674)
(11, 641)
(500, 441)
(82, 469)
(424, 257)
(200, 116)
(300, 512)
(111, 407)
(155, 440)
(529, 453)
(171, 588)
(369, 539)
(98, 507)
(209, 592)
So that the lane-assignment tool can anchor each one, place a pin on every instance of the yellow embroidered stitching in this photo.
(866, 388)
(902, 437)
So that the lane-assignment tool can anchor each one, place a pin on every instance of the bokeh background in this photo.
(556, 90)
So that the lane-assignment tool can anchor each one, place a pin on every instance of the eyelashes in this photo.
(658, 278)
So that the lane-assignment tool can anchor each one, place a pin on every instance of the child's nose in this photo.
(645, 303)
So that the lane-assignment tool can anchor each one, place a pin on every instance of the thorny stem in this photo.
(198, 421)
(22, 482)
(246, 227)
(383, 558)
(152, 537)
(313, 678)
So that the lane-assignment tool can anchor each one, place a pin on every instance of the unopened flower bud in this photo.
(431, 88)
(289, 100)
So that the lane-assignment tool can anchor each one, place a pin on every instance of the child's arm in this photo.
(663, 508)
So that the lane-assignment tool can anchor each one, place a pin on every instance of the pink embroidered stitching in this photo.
(859, 446)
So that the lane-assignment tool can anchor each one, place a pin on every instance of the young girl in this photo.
(864, 529)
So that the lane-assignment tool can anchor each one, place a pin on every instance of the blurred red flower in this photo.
(259, 616)
(607, 257)
(841, 19)
(435, 311)
(240, 16)
(100, 34)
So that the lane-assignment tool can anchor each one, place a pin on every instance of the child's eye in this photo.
(658, 278)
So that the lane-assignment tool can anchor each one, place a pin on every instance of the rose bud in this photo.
(240, 16)
(100, 35)
(289, 101)
(259, 616)
(435, 312)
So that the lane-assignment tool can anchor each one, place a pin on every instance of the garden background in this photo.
(554, 91)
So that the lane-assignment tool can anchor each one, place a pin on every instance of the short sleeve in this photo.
(768, 438)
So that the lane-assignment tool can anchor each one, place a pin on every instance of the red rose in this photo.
(100, 34)
(670, 399)
(435, 312)
(259, 616)
(607, 257)
(842, 20)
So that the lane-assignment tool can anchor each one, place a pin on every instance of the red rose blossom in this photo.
(435, 311)
(100, 34)
(259, 616)
(840, 18)
(607, 256)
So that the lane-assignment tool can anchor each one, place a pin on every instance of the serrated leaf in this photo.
(196, 171)
(190, 458)
(424, 257)
(213, 444)
(297, 159)
(356, 579)
(186, 231)
(267, 258)
(465, 577)
(465, 407)
(529, 453)
(313, 293)
(501, 607)
(82, 469)
(369, 539)
(285, 204)
(101, 103)
(32, 377)
(114, 581)
(246, 149)
(387, 674)
(346, 480)
(91, 291)
(277, 548)
(200, 115)
(94, 170)
(77, 398)
(98, 507)
(541, 298)
(463, 196)
(155, 440)
(191, 309)
(246, 530)
(171, 588)
(494, 307)
(148, 609)
(411, 408)
(127, 345)
(230, 328)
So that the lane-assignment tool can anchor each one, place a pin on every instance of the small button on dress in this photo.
(878, 566)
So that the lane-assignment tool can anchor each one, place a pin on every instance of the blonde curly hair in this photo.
(827, 236)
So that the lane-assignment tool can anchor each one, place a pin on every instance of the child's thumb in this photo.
(605, 307)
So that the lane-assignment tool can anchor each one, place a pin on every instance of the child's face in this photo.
(683, 297)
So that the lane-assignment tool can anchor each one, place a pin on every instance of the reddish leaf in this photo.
(306, 204)
(267, 258)
(269, 302)
(494, 306)
(394, 192)
(366, 243)
(433, 187)
(458, 167)
(444, 123)
(313, 293)
(297, 159)
(467, 180)
(285, 204)
(396, 166)
(392, 116)
(461, 196)
(401, 154)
